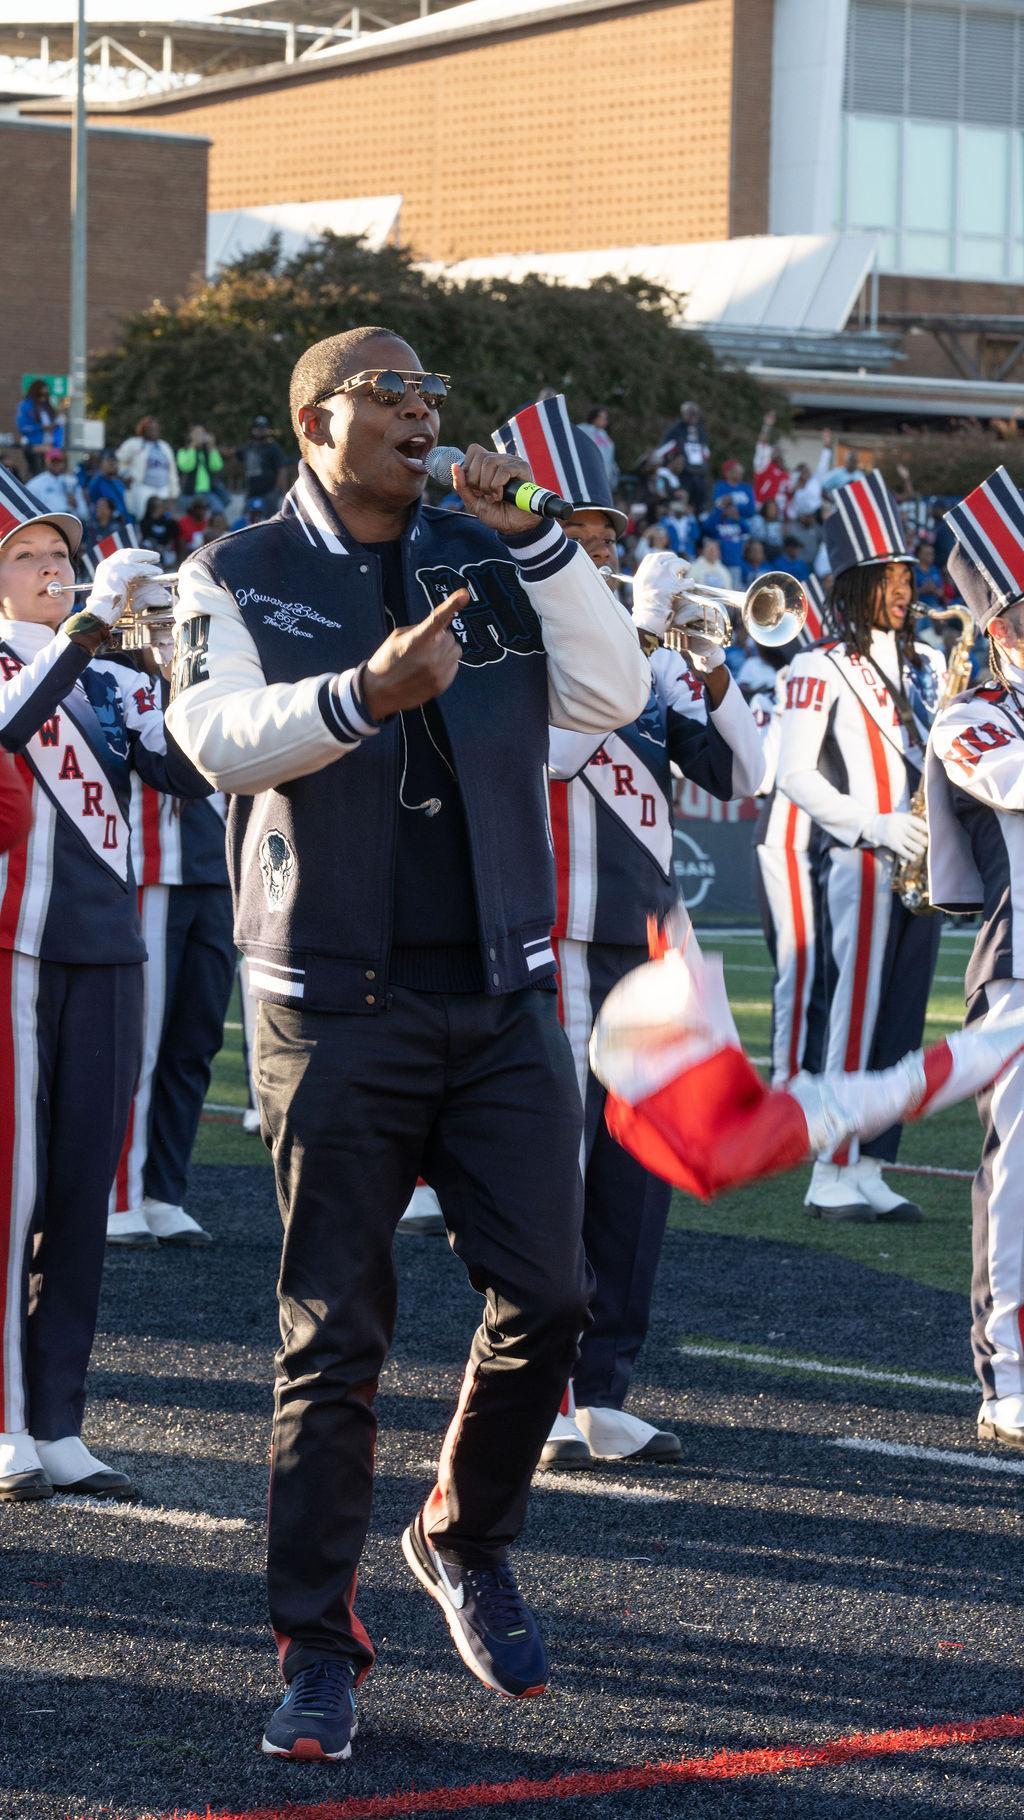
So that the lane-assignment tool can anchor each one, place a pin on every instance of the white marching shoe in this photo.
(1002, 1419)
(613, 1434)
(130, 1229)
(888, 1205)
(70, 1467)
(250, 1119)
(423, 1213)
(835, 1193)
(565, 1447)
(172, 1225)
(22, 1474)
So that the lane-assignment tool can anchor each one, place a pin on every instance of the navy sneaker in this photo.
(492, 1626)
(316, 1719)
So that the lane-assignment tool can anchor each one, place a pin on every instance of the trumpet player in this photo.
(71, 956)
(853, 732)
(611, 823)
(975, 805)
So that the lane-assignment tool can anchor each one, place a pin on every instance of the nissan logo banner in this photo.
(714, 857)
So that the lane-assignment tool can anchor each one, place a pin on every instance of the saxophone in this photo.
(910, 876)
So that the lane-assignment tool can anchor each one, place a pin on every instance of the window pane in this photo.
(984, 170)
(1017, 260)
(872, 163)
(929, 180)
(927, 253)
(887, 260)
(982, 258)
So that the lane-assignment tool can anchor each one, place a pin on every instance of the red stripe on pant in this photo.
(122, 1202)
(800, 939)
(436, 1508)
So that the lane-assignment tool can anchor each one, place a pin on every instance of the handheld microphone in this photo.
(525, 494)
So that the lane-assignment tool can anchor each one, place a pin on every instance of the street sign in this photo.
(56, 382)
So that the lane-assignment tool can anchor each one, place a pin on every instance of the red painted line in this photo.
(722, 1767)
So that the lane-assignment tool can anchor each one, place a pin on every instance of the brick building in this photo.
(147, 235)
(549, 127)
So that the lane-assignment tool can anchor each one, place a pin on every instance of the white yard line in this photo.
(148, 1513)
(218, 1106)
(822, 1368)
(957, 1175)
(933, 1456)
(229, 1026)
(590, 1479)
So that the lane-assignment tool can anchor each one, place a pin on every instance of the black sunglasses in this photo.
(389, 387)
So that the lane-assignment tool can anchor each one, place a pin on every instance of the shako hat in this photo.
(562, 457)
(865, 528)
(18, 507)
(986, 563)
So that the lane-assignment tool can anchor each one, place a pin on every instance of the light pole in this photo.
(79, 250)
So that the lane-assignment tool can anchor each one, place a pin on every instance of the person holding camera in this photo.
(199, 464)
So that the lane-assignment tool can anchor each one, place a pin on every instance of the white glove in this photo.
(656, 585)
(703, 653)
(109, 594)
(904, 834)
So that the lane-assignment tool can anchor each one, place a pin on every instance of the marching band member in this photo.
(372, 680)
(71, 956)
(853, 733)
(180, 864)
(684, 1098)
(787, 877)
(611, 823)
(975, 804)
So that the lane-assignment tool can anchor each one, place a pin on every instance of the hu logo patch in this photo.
(499, 619)
(277, 864)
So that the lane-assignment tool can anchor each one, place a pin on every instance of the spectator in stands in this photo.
(158, 530)
(793, 561)
(754, 561)
(38, 424)
(596, 427)
(656, 538)
(216, 527)
(199, 464)
(192, 526)
(727, 527)
(709, 567)
(264, 466)
(680, 524)
(108, 485)
(931, 589)
(805, 492)
(849, 469)
(808, 532)
(56, 489)
(147, 466)
(734, 483)
(772, 528)
(689, 436)
(771, 475)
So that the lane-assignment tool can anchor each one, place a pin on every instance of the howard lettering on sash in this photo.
(634, 795)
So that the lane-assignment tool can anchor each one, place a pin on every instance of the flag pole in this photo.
(79, 250)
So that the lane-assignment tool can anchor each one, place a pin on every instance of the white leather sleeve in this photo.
(738, 728)
(982, 753)
(240, 731)
(598, 677)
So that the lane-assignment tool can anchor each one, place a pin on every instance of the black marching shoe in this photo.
(73, 1470)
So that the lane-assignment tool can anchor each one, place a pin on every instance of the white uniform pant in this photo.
(789, 915)
(879, 963)
(997, 1287)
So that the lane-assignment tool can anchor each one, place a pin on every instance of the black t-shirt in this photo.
(435, 931)
(262, 462)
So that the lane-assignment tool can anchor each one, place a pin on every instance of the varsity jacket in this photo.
(974, 790)
(176, 842)
(611, 801)
(274, 625)
(845, 755)
(78, 728)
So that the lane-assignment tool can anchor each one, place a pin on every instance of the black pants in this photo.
(199, 961)
(478, 1095)
(70, 1046)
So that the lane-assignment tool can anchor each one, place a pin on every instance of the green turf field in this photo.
(937, 1252)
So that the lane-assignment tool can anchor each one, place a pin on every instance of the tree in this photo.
(226, 352)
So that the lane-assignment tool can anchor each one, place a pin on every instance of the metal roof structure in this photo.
(139, 47)
(232, 232)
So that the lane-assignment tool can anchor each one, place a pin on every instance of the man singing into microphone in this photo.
(371, 681)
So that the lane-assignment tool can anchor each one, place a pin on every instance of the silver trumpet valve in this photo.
(138, 628)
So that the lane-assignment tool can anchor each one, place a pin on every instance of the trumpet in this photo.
(137, 629)
(772, 610)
